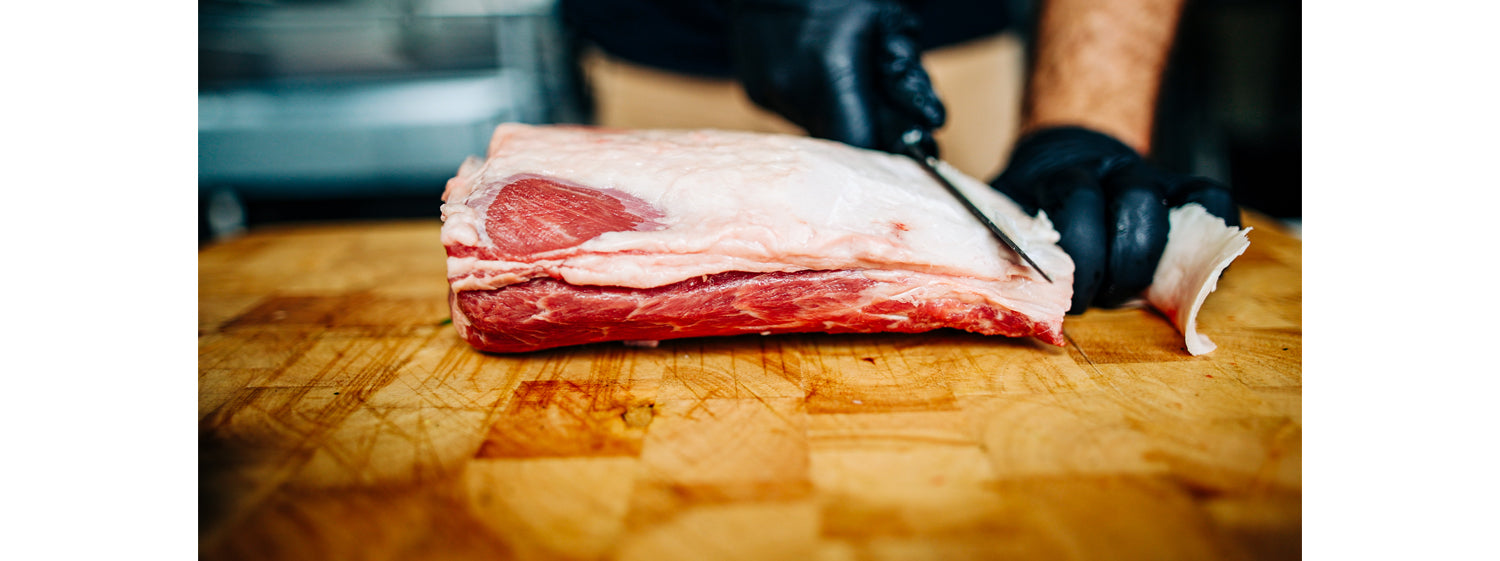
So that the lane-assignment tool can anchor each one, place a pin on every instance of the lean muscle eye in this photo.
(533, 214)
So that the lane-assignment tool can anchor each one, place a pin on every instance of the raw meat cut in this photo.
(1199, 247)
(565, 235)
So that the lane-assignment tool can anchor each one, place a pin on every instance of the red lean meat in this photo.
(569, 235)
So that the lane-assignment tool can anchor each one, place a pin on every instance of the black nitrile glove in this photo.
(1109, 205)
(846, 70)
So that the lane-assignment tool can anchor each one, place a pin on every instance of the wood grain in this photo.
(341, 418)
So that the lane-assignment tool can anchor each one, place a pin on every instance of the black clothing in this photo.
(691, 36)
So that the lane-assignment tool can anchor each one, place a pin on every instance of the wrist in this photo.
(1098, 65)
(1133, 134)
(1043, 152)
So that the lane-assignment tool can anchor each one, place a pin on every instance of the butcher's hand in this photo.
(846, 70)
(1108, 203)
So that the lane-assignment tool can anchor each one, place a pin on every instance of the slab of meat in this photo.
(566, 235)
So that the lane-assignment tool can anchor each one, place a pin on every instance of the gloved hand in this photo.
(1108, 203)
(846, 70)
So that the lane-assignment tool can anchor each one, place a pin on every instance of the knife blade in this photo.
(910, 143)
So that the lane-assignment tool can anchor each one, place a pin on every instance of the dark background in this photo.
(302, 91)
(1231, 103)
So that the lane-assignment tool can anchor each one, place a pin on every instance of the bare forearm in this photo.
(1099, 64)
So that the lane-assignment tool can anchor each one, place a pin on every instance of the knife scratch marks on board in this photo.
(905, 360)
(608, 364)
(964, 361)
(353, 457)
(426, 445)
(562, 418)
(741, 386)
(1074, 345)
(446, 370)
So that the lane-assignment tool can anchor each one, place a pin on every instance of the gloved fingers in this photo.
(761, 34)
(897, 112)
(1075, 204)
(810, 62)
(1023, 194)
(904, 82)
(1041, 152)
(1137, 220)
(850, 118)
(843, 78)
(1215, 197)
(893, 131)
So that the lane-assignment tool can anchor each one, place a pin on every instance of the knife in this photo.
(910, 142)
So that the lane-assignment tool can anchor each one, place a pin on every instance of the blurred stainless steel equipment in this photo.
(367, 97)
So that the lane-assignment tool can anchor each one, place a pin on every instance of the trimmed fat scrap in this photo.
(1199, 247)
(567, 235)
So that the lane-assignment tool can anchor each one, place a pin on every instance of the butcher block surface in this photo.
(341, 417)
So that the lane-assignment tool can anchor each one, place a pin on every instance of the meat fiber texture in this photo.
(566, 235)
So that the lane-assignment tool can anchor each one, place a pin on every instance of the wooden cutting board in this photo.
(341, 418)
